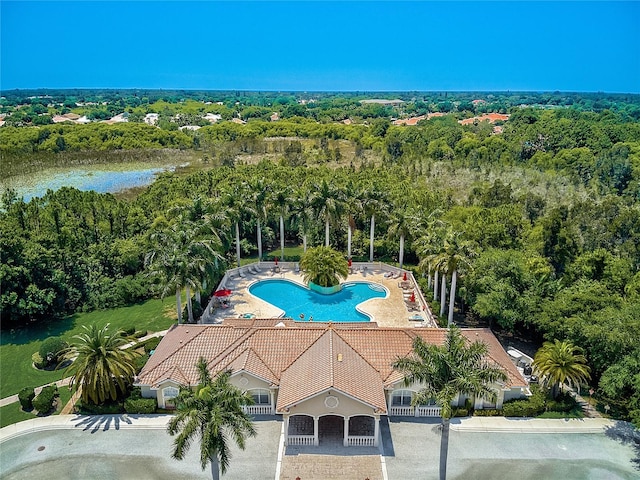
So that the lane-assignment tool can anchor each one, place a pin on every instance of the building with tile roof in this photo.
(318, 376)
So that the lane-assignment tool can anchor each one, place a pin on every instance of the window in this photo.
(260, 397)
(401, 398)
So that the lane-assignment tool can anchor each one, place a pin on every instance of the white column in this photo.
(346, 432)
(376, 432)
(285, 417)
(316, 439)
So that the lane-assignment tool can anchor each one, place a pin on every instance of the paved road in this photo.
(120, 445)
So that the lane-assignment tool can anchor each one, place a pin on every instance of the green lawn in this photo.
(17, 346)
(10, 414)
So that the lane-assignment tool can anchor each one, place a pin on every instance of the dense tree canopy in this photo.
(549, 207)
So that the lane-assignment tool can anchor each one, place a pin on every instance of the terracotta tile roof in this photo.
(497, 354)
(330, 363)
(487, 117)
(302, 358)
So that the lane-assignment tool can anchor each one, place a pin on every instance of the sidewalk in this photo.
(530, 425)
(85, 422)
(65, 381)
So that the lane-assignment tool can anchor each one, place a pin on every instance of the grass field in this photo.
(10, 414)
(17, 346)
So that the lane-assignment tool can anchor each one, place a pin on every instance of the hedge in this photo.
(140, 405)
(26, 396)
(43, 403)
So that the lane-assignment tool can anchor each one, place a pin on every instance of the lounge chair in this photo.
(241, 274)
(297, 268)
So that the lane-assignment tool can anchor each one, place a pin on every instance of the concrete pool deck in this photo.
(391, 311)
(139, 444)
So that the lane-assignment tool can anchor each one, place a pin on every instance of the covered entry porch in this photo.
(332, 429)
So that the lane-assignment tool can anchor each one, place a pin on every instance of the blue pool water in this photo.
(295, 299)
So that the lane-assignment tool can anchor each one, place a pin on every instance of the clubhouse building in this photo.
(327, 380)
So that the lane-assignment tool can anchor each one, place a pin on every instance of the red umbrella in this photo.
(413, 297)
(276, 260)
(405, 277)
(222, 293)
(349, 262)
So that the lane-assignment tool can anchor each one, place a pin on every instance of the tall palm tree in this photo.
(402, 222)
(282, 199)
(181, 256)
(328, 204)
(374, 202)
(258, 195)
(559, 362)
(100, 366)
(234, 205)
(446, 371)
(323, 266)
(302, 212)
(212, 413)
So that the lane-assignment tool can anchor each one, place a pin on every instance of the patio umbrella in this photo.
(404, 278)
(222, 293)
(349, 262)
(413, 297)
(276, 260)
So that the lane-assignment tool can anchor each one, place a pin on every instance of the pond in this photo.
(101, 180)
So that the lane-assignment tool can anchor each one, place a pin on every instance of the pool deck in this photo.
(391, 311)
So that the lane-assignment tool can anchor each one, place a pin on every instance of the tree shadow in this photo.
(627, 434)
(26, 334)
(95, 423)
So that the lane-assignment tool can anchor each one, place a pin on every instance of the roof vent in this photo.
(339, 357)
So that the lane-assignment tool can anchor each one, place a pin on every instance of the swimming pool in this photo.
(294, 299)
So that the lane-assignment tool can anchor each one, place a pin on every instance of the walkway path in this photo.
(65, 381)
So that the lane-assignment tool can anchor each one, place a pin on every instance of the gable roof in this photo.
(330, 363)
(303, 359)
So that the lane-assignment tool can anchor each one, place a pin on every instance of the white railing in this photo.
(258, 409)
(428, 411)
(300, 440)
(401, 411)
(360, 441)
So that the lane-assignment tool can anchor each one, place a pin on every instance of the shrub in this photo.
(488, 413)
(43, 403)
(151, 344)
(140, 362)
(26, 396)
(523, 408)
(50, 350)
(37, 360)
(128, 332)
(91, 409)
(139, 333)
(461, 412)
(140, 405)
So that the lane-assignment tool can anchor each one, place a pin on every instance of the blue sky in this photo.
(315, 45)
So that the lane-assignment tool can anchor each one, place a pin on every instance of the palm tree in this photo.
(100, 366)
(328, 205)
(323, 266)
(234, 205)
(559, 362)
(182, 256)
(374, 202)
(401, 224)
(281, 198)
(447, 371)
(453, 256)
(258, 196)
(302, 213)
(212, 413)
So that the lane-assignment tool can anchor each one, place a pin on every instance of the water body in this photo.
(100, 179)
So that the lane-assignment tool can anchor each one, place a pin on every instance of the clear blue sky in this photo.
(315, 45)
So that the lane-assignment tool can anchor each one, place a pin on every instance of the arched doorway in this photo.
(331, 430)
